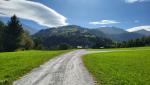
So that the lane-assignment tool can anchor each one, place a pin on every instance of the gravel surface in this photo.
(66, 69)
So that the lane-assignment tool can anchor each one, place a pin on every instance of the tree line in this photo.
(13, 37)
(138, 42)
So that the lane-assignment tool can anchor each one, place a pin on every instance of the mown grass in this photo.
(133, 48)
(15, 64)
(120, 68)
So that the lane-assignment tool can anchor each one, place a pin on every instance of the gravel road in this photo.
(66, 69)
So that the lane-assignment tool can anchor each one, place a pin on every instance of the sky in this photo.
(133, 14)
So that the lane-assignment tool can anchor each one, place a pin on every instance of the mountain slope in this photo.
(74, 36)
(111, 30)
(143, 32)
(71, 30)
(119, 34)
(71, 35)
(126, 36)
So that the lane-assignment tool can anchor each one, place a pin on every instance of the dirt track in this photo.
(66, 69)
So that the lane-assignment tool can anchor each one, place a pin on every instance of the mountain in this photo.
(97, 32)
(126, 36)
(29, 29)
(71, 35)
(143, 32)
(111, 30)
(117, 34)
(71, 30)
(74, 36)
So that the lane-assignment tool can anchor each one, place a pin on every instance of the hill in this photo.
(111, 30)
(143, 32)
(72, 36)
(118, 34)
(127, 36)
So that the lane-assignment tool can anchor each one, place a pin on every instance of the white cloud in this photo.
(133, 1)
(34, 11)
(104, 22)
(147, 28)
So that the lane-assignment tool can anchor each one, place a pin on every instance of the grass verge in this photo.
(120, 68)
(16, 64)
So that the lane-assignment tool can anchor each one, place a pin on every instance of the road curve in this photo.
(66, 69)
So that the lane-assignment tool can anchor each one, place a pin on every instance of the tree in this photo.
(2, 27)
(38, 43)
(101, 42)
(63, 46)
(144, 41)
(27, 42)
(13, 34)
(13, 37)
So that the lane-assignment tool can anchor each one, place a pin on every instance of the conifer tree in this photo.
(13, 34)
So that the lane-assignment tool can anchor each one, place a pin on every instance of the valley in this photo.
(74, 42)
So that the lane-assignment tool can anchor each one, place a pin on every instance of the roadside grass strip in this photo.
(16, 64)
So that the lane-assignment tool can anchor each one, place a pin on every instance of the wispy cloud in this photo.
(31, 10)
(133, 1)
(139, 28)
(104, 22)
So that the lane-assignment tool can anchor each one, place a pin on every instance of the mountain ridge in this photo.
(108, 32)
(144, 32)
(72, 35)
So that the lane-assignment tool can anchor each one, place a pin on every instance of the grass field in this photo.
(120, 68)
(16, 64)
(133, 48)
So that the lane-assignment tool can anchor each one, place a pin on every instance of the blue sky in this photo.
(95, 13)
(81, 12)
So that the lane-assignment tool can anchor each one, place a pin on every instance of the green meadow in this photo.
(16, 64)
(130, 67)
